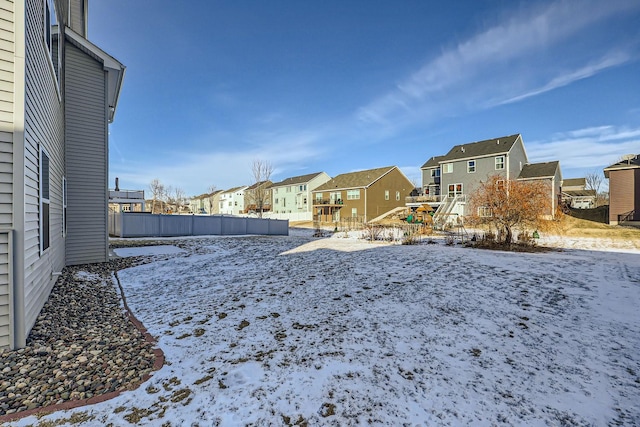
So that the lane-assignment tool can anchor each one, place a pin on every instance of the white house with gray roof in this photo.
(232, 201)
(291, 197)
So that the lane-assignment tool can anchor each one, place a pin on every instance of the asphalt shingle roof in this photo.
(358, 179)
(626, 164)
(539, 170)
(432, 162)
(484, 148)
(296, 179)
(574, 182)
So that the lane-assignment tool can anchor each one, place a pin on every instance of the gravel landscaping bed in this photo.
(81, 347)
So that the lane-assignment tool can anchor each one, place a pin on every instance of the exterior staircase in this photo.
(442, 215)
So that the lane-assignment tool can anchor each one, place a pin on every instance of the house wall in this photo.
(77, 14)
(557, 190)
(237, 199)
(393, 181)
(7, 94)
(43, 128)
(428, 180)
(485, 167)
(516, 159)
(624, 192)
(86, 157)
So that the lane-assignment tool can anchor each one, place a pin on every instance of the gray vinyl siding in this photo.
(86, 157)
(43, 127)
(517, 159)
(77, 23)
(7, 88)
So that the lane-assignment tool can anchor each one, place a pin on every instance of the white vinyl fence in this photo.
(134, 224)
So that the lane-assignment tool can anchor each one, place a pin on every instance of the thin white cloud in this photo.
(194, 173)
(594, 147)
(610, 60)
(477, 68)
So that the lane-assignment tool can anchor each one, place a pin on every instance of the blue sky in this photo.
(338, 86)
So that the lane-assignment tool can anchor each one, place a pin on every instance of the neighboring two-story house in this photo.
(257, 198)
(293, 195)
(206, 204)
(448, 181)
(361, 195)
(624, 190)
(232, 201)
(58, 94)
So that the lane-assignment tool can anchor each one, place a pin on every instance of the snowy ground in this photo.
(339, 331)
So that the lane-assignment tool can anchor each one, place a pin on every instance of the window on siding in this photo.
(499, 162)
(397, 195)
(471, 166)
(318, 197)
(447, 168)
(353, 194)
(386, 194)
(435, 173)
(354, 212)
(45, 238)
(484, 212)
(51, 21)
(454, 190)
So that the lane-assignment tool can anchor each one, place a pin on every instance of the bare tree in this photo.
(507, 205)
(178, 196)
(157, 193)
(259, 193)
(594, 181)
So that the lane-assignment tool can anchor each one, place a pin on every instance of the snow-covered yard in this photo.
(335, 331)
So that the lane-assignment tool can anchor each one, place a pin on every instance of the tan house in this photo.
(257, 198)
(362, 195)
(624, 190)
(206, 204)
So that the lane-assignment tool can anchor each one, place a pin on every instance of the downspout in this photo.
(106, 168)
(365, 205)
(18, 328)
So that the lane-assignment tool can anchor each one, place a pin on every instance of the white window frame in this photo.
(386, 194)
(500, 162)
(50, 18)
(471, 166)
(44, 244)
(455, 191)
(447, 168)
(354, 212)
(353, 194)
(397, 196)
(485, 212)
(435, 173)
